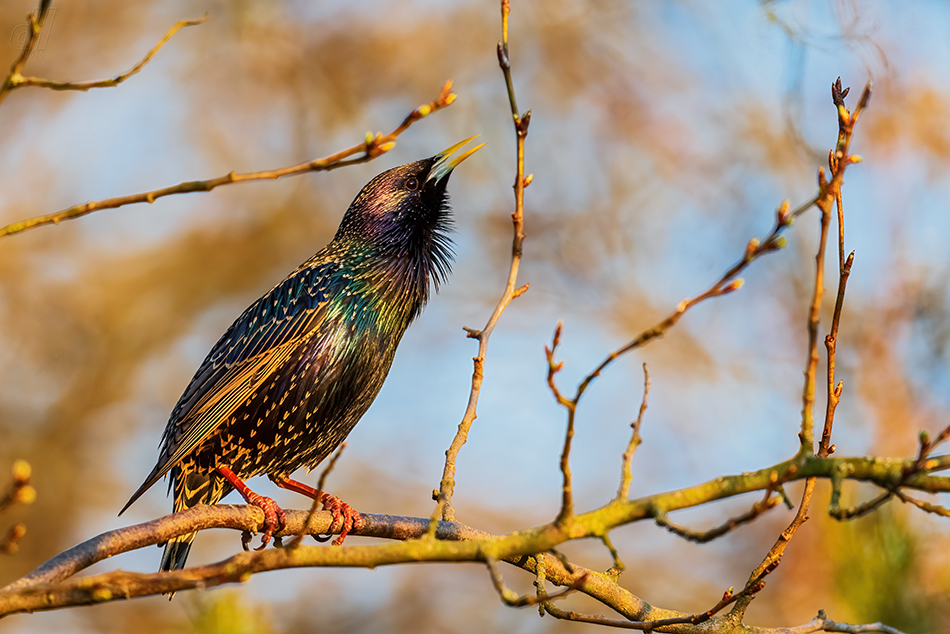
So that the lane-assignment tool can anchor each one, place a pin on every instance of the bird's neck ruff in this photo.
(400, 265)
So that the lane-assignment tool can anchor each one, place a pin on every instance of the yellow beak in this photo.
(445, 162)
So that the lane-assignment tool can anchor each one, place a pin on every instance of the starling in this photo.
(296, 371)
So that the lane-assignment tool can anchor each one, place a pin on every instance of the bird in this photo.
(290, 378)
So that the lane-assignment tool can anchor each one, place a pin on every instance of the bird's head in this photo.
(402, 219)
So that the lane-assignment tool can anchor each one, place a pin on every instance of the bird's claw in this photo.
(274, 516)
(342, 512)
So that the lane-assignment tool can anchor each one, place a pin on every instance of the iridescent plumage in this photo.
(294, 373)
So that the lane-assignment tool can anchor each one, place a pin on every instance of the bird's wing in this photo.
(264, 337)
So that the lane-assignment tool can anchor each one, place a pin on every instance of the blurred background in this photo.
(663, 137)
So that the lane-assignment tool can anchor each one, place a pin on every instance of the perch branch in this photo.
(49, 586)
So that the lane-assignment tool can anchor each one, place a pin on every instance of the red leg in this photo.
(341, 510)
(274, 516)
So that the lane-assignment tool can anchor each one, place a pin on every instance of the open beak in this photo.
(445, 162)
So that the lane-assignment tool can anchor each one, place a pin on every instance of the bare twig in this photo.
(368, 150)
(321, 483)
(928, 445)
(625, 477)
(512, 599)
(923, 463)
(693, 619)
(618, 566)
(702, 537)
(936, 509)
(828, 192)
(10, 543)
(567, 491)
(20, 81)
(20, 491)
(726, 284)
(755, 248)
(825, 448)
(835, 511)
(822, 623)
(35, 21)
(512, 291)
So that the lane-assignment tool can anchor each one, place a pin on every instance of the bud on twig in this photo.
(732, 286)
(751, 247)
(21, 471)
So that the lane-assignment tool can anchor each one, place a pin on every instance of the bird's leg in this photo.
(340, 509)
(274, 516)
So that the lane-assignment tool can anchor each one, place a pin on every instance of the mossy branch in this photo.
(50, 587)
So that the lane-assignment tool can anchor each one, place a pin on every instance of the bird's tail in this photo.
(191, 489)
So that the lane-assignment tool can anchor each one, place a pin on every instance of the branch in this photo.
(755, 248)
(368, 150)
(828, 192)
(822, 623)
(447, 485)
(704, 537)
(35, 21)
(513, 600)
(49, 587)
(21, 81)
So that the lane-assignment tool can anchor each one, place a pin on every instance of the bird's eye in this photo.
(412, 183)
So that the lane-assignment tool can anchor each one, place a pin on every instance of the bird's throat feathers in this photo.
(397, 257)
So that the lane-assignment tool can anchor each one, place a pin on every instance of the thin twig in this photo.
(728, 283)
(936, 509)
(20, 491)
(702, 537)
(10, 543)
(860, 510)
(369, 149)
(512, 599)
(693, 619)
(822, 623)
(39, 82)
(35, 22)
(828, 192)
(825, 448)
(754, 249)
(922, 463)
(521, 122)
(618, 566)
(321, 483)
(625, 476)
(567, 491)
(772, 559)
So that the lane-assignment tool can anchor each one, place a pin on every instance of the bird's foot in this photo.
(274, 516)
(343, 512)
